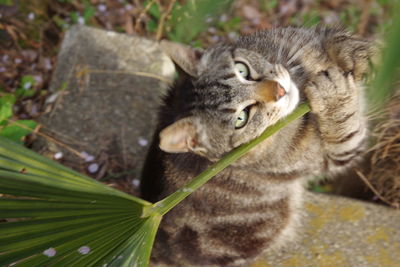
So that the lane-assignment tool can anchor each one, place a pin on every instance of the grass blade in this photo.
(383, 86)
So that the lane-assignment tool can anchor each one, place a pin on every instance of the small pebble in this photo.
(128, 7)
(31, 16)
(34, 110)
(223, 18)
(50, 252)
(18, 61)
(81, 21)
(93, 168)
(2, 69)
(110, 33)
(136, 182)
(215, 38)
(38, 78)
(84, 250)
(212, 30)
(47, 63)
(233, 35)
(89, 158)
(209, 20)
(27, 85)
(84, 154)
(58, 155)
(102, 8)
(52, 98)
(142, 141)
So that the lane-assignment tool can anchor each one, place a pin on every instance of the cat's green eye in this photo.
(243, 70)
(242, 119)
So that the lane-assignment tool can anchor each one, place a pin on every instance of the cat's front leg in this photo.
(336, 101)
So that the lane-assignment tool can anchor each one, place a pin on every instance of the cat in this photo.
(232, 92)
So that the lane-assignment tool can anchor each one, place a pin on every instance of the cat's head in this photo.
(236, 94)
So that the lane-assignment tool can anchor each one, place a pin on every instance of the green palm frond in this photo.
(58, 217)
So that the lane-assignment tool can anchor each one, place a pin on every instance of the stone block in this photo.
(105, 93)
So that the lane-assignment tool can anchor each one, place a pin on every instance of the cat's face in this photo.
(236, 94)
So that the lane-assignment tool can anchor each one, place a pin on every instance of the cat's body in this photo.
(255, 203)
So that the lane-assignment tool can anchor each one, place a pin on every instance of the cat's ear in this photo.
(180, 137)
(186, 57)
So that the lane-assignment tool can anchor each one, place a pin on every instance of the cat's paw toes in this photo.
(352, 56)
(332, 83)
(329, 90)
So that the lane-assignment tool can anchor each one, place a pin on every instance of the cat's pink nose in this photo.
(280, 91)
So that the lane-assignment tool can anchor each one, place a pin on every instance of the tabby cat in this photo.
(234, 91)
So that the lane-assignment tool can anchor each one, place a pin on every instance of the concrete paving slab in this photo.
(341, 232)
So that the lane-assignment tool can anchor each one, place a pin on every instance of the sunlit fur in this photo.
(255, 204)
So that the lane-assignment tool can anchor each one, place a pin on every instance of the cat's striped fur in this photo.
(254, 204)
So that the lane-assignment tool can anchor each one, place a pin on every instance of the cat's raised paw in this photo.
(330, 90)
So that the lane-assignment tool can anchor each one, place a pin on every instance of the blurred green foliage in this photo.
(383, 85)
(187, 20)
(6, 2)
(11, 127)
(231, 25)
(350, 17)
(268, 5)
(17, 129)
(26, 88)
(311, 18)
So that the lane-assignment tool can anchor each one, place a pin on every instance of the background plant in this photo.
(11, 127)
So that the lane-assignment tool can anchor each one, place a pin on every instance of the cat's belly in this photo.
(213, 229)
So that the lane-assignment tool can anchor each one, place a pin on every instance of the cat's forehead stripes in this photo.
(211, 94)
